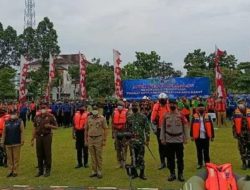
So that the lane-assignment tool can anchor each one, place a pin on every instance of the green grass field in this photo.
(223, 149)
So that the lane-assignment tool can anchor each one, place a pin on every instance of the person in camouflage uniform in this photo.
(138, 126)
(241, 131)
(146, 107)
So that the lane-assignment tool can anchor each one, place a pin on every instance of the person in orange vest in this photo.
(241, 131)
(159, 110)
(79, 121)
(202, 132)
(211, 104)
(32, 108)
(119, 119)
(220, 107)
(3, 157)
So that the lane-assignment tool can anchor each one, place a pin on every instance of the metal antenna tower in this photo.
(29, 14)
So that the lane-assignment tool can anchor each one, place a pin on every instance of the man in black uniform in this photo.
(44, 122)
(79, 121)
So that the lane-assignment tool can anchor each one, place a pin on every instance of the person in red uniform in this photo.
(159, 110)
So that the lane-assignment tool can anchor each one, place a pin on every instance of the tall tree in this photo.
(195, 62)
(8, 46)
(7, 85)
(147, 66)
(28, 44)
(47, 40)
(243, 79)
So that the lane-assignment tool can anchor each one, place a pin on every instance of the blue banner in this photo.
(175, 87)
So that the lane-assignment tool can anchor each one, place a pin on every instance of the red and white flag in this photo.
(220, 88)
(24, 67)
(51, 68)
(83, 74)
(51, 76)
(117, 74)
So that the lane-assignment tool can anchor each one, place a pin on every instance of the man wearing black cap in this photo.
(42, 132)
(202, 132)
(173, 134)
(79, 121)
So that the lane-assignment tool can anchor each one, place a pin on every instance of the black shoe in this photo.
(142, 175)
(39, 174)
(134, 176)
(199, 167)
(93, 175)
(14, 175)
(162, 166)
(47, 174)
(86, 165)
(172, 177)
(10, 175)
(244, 166)
(78, 166)
(181, 178)
(134, 173)
(99, 176)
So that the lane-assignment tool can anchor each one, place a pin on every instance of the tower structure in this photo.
(29, 14)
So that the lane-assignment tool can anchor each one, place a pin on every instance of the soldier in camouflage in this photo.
(138, 126)
(241, 131)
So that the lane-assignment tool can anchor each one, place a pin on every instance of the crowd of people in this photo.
(173, 121)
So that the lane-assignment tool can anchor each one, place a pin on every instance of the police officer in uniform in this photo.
(80, 120)
(241, 131)
(138, 126)
(95, 139)
(173, 134)
(42, 133)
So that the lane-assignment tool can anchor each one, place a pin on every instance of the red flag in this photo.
(83, 70)
(220, 88)
(117, 74)
(24, 67)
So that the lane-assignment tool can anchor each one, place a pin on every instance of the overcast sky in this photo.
(170, 27)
